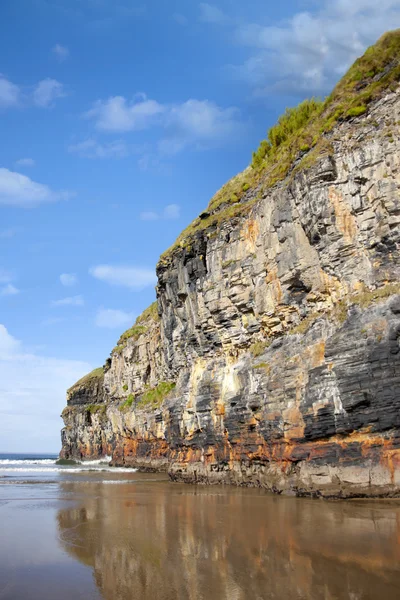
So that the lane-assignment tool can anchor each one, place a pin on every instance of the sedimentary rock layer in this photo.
(272, 357)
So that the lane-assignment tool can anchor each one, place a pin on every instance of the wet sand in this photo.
(139, 537)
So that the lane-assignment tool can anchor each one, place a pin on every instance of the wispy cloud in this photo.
(9, 290)
(134, 278)
(199, 123)
(91, 148)
(69, 301)
(6, 234)
(309, 52)
(196, 123)
(5, 276)
(211, 14)
(9, 93)
(68, 279)
(60, 52)
(113, 318)
(149, 216)
(117, 114)
(180, 19)
(25, 162)
(42, 95)
(53, 320)
(21, 191)
(47, 91)
(8, 344)
(172, 211)
(32, 393)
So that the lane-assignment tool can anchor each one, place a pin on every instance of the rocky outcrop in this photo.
(272, 357)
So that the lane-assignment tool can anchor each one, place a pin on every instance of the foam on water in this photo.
(67, 469)
(32, 461)
(11, 465)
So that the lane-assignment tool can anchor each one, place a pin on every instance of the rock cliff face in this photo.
(272, 356)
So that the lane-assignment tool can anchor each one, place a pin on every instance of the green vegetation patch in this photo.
(95, 376)
(305, 324)
(127, 404)
(96, 409)
(153, 398)
(258, 348)
(364, 298)
(151, 312)
(138, 329)
(368, 297)
(263, 366)
(133, 333)
(356, 111)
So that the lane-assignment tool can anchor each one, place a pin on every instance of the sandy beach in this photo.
(94, 532)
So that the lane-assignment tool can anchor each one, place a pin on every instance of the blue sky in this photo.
(119, 121)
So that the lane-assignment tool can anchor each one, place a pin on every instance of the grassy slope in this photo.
(89, 379)
(302, 133)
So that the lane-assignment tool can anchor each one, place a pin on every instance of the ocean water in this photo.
(93, 532)
(31, 468)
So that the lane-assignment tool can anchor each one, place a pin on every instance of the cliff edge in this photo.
(272, 355)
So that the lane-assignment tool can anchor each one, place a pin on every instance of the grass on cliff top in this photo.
(301, 133)
(138, 328)
(90, 378)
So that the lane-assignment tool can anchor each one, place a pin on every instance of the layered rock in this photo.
(273, 355)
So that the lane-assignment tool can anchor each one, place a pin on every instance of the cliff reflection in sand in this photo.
(153, 540)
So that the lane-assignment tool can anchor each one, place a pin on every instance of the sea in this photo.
(34, 468)
(94, 532)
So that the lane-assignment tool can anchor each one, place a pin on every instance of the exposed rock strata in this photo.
(307, 281)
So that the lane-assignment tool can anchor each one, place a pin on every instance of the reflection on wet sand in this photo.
(160, 541)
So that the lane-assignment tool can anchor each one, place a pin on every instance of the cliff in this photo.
(272, 355)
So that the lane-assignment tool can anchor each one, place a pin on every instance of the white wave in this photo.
(30, 461)
(60, 469)
(100, 461)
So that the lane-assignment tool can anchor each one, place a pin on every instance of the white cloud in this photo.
(150, 161)
(198, 123)
(91, 148)
(8, 344)
(135, 278)
(68, 279)
(70, 301)
(32, 396)
(25, 162)
(211, 14)
(5, 276)
(171, 211)
(309, 52)
(180, 19)
(19, 190)
(47, 91)
(61, 52)
(117, 114)
(9, 290)
(112, 318)
(9, 93)
(8, 233)
(149, 216)
(53, 320)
